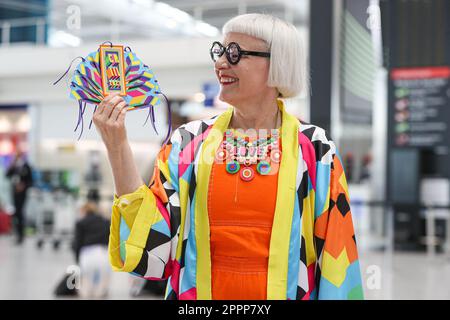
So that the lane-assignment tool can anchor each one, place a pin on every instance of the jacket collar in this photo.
(279, 242)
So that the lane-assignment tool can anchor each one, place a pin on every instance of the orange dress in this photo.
(241, 215)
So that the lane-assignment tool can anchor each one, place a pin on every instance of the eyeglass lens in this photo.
(217, 51)
(232, 52)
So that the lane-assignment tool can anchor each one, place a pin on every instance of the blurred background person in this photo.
(366, 168)
(21, 178)
(349, 163)
(91, 251)
(93, 178)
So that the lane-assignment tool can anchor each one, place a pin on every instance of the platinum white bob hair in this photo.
(287, 61)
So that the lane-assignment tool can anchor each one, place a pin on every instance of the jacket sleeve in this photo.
(338, 272)
(144, 223)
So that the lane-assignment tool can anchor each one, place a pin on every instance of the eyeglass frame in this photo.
(240, 52)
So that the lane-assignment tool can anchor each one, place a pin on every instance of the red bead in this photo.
(247, 174)
(221, 155)
(275, 156)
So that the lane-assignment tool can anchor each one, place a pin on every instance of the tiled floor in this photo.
(29, 273)
(405, 276)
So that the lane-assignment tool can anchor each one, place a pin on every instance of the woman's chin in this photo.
(227, 97)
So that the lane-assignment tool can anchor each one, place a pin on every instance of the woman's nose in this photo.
(221, 63)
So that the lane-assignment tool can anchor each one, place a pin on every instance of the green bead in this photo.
(233, 167)
(263, 168)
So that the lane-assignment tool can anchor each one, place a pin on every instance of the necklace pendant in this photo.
(247, 174)
(232, 167)
(275, 156)
(263, 168)
(241, 153)
(221, 155)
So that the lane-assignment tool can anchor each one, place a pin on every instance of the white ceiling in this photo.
(217, 12)
(117, 20)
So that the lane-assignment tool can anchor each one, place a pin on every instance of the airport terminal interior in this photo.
(378, 83)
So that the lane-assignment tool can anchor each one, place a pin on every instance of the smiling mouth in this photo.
(227, 80)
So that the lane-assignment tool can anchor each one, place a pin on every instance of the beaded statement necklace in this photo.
(240, 153)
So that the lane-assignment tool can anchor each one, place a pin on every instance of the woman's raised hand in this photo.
(109, 119)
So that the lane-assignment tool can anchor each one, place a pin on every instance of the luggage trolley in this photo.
(65, 214)
(43, 207)
(55, 217)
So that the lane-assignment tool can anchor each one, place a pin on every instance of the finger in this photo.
(100, 115)
(100, 107)
(113, 104)
(106, 101)
(121, 116)
(107, 107)
(117, 110)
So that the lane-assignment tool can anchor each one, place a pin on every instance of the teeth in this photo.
(228, 80)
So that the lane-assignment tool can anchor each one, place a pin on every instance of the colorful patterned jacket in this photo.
(161, 231)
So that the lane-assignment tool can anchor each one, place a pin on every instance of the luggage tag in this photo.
(112, 69)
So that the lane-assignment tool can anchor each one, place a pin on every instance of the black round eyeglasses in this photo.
(233, 52)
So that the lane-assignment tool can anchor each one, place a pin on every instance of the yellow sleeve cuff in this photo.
(139, 212)
(128, 204)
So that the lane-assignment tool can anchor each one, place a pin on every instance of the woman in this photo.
(90, 247)
(231, 214)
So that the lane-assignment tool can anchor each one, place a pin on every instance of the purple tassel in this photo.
(82, 120)
(90, 124)
(152, 116)
(70, 65)
(148, 115)
(80, 110)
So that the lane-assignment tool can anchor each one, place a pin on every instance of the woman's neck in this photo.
(256, 116)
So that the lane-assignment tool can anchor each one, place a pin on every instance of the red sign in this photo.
(420, 73)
